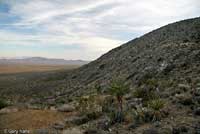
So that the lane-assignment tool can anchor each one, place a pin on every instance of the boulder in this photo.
(59, 125)
(8, 110)
(66, 108)
(52, 108)
(77, 120)
(73, 131)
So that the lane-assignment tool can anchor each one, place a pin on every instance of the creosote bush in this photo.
(145, 93)
(152, 83)
(89, 105)
(3, 104)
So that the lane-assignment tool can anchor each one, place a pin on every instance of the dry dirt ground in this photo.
(31, 119)
(18, 68)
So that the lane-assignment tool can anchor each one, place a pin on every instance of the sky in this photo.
(82, 29)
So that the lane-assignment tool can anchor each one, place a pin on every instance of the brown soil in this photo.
(18, 68)
(31, 119)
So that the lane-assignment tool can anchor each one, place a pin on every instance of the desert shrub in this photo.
(93, 115)
(89, 105)
(142, 115)
(166, 83)
(152, 83)
(153, 112)
(145, 93)
(107, 103)
(128, 116)
(3, 104)
(61, 101)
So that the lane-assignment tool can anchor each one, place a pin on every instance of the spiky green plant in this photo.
(156, 104)
(118, 88)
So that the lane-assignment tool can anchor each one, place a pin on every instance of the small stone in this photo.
(66, 108)
(151, 131)
(76, 120)
(156, 124)
(52, 108)
(91, 131)
(72, 131)
(8, 110)
(59, 125)
(104, 124)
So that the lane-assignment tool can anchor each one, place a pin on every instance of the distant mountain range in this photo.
(41, 61)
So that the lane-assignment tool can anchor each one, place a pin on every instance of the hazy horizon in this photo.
(82, 30)
(27, 57)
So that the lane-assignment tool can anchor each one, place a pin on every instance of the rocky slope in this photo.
(172, 51)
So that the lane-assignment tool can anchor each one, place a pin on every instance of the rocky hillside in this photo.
(172, 51)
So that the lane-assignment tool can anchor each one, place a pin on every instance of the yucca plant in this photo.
(118, 88)
(156, 105)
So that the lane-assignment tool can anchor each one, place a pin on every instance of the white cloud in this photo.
(95, 26)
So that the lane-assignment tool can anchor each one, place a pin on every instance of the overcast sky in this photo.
(82, 29)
